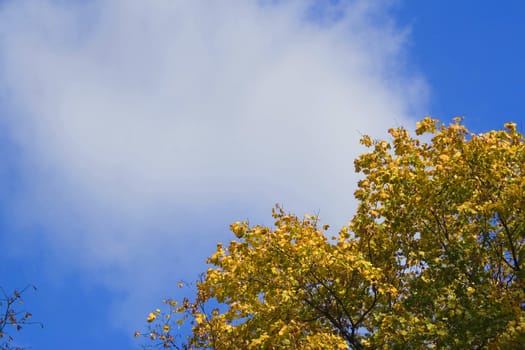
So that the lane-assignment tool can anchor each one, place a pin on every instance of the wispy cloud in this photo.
(146, 127)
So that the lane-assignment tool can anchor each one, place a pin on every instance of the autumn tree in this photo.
(12, 317)
(433, 258)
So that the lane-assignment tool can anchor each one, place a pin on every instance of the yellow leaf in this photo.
(151, 317)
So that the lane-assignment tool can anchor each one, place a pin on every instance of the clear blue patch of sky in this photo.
(73, 312)
(472, 54)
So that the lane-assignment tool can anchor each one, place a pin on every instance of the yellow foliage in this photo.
(151, 317)
(433, 257)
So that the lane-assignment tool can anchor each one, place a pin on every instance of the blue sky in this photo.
(132, 133)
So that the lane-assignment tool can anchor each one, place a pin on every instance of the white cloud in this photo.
(146, 127)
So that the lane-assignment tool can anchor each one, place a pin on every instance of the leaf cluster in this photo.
(433, 258)
(12, 317)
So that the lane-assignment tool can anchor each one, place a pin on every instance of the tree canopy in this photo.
(433, 258)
